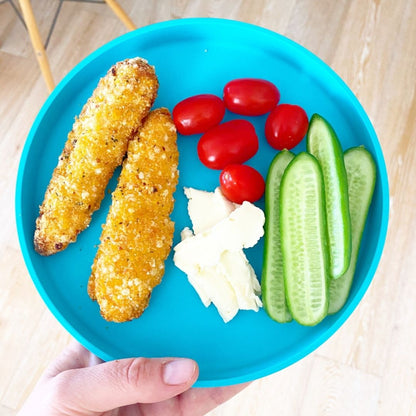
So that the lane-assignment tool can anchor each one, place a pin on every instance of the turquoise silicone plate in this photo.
(193, 56)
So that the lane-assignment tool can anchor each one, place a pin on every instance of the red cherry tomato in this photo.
(286, 126)
(232, 142)
(197, 114)
(250, 96)
(241, 183)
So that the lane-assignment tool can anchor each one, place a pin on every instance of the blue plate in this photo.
(193, 56)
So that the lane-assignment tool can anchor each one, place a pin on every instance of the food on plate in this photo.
(297, 280)
(250, 96)
(241, 183)
(197, 114)
(286, 126)
(206, 209)
(361, 174)
(310, 251)
(241, 229)
(323, 143)
(95, 146)
(212, 256)
(272, 282)
(228, 143)
(137, 236)
(304, 240)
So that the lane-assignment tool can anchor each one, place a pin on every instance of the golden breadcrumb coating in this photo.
(137, 236)
(94, 148)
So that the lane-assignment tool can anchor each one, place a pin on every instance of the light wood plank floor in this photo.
(368, 367)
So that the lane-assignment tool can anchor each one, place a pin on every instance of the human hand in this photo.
(79, 384)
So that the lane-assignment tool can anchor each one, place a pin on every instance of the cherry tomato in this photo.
(250, 96)
(286, 126)
(241, 183)
(197, 114)
(232, 142)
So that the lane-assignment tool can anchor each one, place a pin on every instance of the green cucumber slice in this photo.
(304, 240)
(272, 283)
(323, 143)
(361, 174)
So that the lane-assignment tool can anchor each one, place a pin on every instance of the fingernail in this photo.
(178, 371)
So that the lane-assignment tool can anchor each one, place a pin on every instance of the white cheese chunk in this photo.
(193, 279)
(186, 233)
(198, 285)
(212, 256)
(207, 208)
(218, 289)
(241, 229)
(239, 273)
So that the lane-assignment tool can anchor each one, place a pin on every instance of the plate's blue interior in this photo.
(193, 56)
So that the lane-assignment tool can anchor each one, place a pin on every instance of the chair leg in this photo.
(37, 44)
(121, 14)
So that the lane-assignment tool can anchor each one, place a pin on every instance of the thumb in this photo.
(119, 383)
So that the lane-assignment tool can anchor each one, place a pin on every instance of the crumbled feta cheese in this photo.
(212, 255)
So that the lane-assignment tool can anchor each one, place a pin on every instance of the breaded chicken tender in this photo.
(94, 148)
(137, 236)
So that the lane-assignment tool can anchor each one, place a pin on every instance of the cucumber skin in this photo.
(325, 249)
(335, 271)
(272, 249)
(339, 289)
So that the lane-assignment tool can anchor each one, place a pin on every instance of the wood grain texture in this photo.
(6, 411)
(369, 366)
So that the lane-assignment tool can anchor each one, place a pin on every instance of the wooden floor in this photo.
(368, 367)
